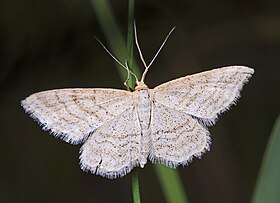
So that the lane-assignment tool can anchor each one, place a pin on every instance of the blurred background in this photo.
(50, 44)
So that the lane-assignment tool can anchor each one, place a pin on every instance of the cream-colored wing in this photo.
(176, 136)
(72, 114)
(204, 95)
(114, 148)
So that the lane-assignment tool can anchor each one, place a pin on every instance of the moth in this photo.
(121, 129)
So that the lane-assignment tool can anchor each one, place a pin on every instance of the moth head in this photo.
(140, 86)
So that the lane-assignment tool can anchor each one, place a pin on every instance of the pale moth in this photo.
(121, 129)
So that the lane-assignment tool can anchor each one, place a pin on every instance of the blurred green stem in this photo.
(171, 184)
(268, 182)
(111, 31)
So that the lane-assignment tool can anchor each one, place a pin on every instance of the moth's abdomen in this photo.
(143, 107)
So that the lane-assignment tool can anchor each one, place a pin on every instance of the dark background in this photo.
(46, 44)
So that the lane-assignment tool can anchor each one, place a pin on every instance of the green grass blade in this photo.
(135, 187)
(169, 179)
(171, 184)
(130, 38)
(267, 189)
(131, 83)
(130, 41)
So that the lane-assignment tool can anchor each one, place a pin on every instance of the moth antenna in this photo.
(123, 66)
(163, 43)
(103, 46)
(141, 55)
